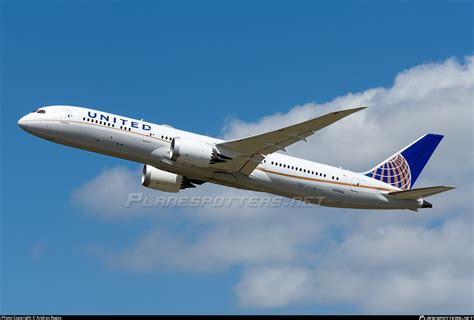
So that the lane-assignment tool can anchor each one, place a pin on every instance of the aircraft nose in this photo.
(23, 123)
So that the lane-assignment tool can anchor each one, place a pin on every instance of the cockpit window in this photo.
(40, 111)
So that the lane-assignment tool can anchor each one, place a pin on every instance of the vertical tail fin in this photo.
(403, 168)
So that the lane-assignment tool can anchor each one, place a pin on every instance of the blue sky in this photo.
(197, 65)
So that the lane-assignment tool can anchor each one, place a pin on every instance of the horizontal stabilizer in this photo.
(415, 194)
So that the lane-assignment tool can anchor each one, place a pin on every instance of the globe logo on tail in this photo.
(395, 171)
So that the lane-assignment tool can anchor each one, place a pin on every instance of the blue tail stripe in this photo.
(418, 154)
(403, 168)
(379, 172)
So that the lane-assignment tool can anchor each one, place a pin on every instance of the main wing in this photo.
(251, 150)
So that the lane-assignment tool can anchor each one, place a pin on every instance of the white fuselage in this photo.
(145, 143)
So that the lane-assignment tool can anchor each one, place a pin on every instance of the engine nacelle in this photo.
(194, 152)
(161, 180)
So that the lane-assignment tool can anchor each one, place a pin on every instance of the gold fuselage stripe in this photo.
(324, 181)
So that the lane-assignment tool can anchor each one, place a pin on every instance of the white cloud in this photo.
(368, 261)
(220, 246)
(273, 287)
(387, 270)
(107, 192)
(106, 195)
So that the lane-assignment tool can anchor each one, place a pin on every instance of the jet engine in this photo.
(194, 152)
(163, 180)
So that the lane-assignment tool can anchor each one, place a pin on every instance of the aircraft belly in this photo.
(105, 141)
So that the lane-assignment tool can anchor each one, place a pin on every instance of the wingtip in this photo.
(448, 187)
(357, 109)
(349, 111)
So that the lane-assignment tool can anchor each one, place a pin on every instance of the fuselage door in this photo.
(355, 184)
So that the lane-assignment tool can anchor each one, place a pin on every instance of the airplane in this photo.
(174, 160)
